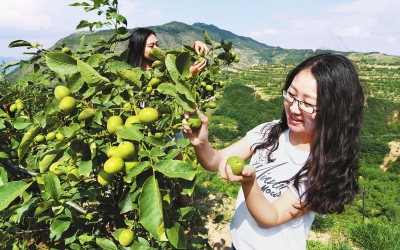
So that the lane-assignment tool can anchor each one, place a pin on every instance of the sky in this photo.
(342, 25)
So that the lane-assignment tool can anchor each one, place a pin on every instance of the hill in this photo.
(251, 52)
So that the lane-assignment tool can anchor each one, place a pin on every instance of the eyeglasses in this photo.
(306, 107)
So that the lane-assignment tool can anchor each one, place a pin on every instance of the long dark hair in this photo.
(331, 172)
(137, 43)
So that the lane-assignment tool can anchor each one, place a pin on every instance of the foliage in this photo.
(375, 236)
(78, 210)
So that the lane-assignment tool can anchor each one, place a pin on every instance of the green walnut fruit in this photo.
(237, 164)
(200, 59)
(237, 59)
(194, 121)
(39, 138)
(66, 50)
(148, 115)
(20, 105)
(126, 237)
(209, 88)
(61, 91)
(18, 100)
(212, 105)
(59, 136)
(130, 120)
(114, 165)
(54, 168)
(127, 107)
(221, 83)
(67, 104)
(113, 123)
(104, 178)
(126, 150)
(112, 151)
(50, 136)
(13, 107)
(154, 82)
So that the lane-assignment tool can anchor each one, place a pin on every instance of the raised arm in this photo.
(208, 157)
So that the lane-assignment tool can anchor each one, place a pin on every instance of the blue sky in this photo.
(344, 25)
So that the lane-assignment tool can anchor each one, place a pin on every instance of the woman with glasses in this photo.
(304, 163)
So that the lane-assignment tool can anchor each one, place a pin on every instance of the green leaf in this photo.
(61, 63)
(10, 64)
(43, 207)
(185, 103)
(131, 77)
(85, 114)
(3, 155)
(95, 60)
(69, 131)
(170, 62)
(183, 63)
(128, 204)
(167, 89)
(47, 158)
(184, 88)
(176, 236)
(136, 170)
(19, 43)
(84, 238)
(176, 169)
(150, 207)
(119, 18)
(25, 207)
(85, 167)
(26, 141)
(154, 141)
(3, 176)
(115, 66)
(207, 39)
(131, 133)
(60, 225)
(105, 244)
(157, 54)
(90, 75)
(52, 185)
(10, 191)
(8, 97)
(75, 82)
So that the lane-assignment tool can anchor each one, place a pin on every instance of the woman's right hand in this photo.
(196, 136)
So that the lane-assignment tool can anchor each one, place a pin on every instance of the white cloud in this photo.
(354, 31)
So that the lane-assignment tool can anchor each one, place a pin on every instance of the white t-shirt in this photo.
(245, 232)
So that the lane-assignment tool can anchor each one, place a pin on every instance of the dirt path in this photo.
(393, 155)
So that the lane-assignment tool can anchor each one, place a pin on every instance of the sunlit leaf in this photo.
(131, 133)
(10, 191)
(150, 207)
(61, 63)
(26, 141)
(176, 169)
(47, 158)
(167, 89)
(90, 75)
(131, 77)
(85, 114)
(176, 236)
(52, 185)
(207, 39)
(170, 62)
(157, 54)
(60, 225)
(106, 244)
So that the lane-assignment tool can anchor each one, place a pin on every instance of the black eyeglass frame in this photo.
(298, 102)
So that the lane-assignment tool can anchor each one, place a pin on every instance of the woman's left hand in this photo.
(200, 46)
(225, 172)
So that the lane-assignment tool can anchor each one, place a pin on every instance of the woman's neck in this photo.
(301, 141)
(146, 64)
